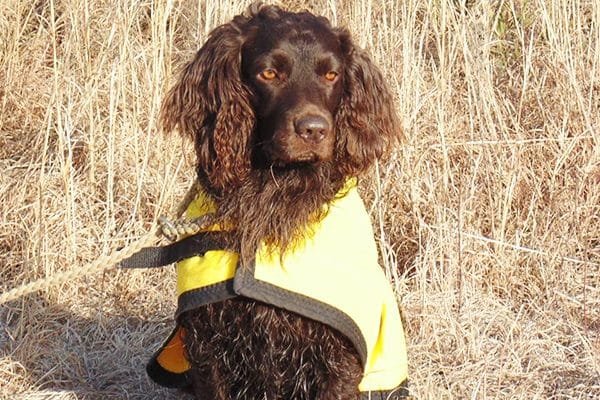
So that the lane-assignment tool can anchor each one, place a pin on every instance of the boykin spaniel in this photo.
(285, 113)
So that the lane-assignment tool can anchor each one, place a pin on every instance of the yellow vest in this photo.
(332, 275)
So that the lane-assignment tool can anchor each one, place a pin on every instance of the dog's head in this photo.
(274, 89)
(293, 65)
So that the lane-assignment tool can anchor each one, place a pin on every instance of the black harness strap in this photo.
(195, 245)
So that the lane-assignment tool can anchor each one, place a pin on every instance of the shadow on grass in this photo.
(50, 351)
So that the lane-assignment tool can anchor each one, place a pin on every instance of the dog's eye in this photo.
(331, 76)
(268, 74)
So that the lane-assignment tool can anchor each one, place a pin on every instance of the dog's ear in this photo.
(211, 104)
(366, 119)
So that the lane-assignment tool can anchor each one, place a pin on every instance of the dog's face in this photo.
(296, 73)
(279, 90)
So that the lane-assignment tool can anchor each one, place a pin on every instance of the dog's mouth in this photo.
(268, 157)
(298, 161)
(308, 158)
(286, 151)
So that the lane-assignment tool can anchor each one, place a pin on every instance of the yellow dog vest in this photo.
(332, 275)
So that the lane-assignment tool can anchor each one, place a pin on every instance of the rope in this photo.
(99, 265)
(180, 227)
(173, 230)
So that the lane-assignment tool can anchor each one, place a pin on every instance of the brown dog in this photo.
(284, 111)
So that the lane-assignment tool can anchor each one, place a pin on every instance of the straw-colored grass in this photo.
(488, 216)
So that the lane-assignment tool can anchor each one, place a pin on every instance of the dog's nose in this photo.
(312, 128)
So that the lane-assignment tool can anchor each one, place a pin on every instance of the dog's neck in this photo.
(273, 206)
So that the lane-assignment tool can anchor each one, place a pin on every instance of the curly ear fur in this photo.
(366, 119)
(210, 104)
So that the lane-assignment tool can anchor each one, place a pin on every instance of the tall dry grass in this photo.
(488, 216)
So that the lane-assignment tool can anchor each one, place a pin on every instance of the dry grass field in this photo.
(488, 216)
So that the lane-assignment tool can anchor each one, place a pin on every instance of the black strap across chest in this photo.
(195, 245)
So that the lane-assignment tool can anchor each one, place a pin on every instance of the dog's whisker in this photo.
(273, 176)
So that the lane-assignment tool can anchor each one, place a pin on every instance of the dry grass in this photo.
(489, 215)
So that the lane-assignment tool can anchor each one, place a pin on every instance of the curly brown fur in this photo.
(292, 357)
(283, 109)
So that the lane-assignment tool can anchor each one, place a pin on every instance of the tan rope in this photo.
(174, 230)
(109, 260)
(181, 227)
(100, 264)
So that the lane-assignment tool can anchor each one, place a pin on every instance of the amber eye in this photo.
(331, 76)
(268, 74)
